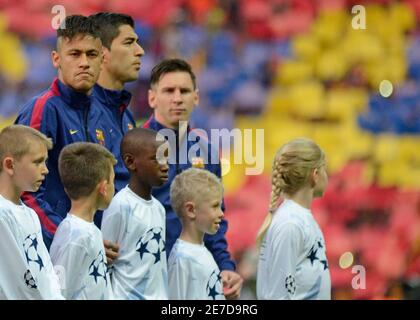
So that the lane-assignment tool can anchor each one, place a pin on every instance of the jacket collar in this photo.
(71, 97)
(118, 99)
(153, 124)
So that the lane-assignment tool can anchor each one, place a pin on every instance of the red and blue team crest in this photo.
(100, 137)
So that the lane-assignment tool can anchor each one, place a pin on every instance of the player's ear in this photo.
(105, 55)
(151, 94)
(196, 97)
(129, 161)
(55, 57)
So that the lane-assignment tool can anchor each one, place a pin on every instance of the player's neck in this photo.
(8, 190)
(84, 208)
(106, 81)
(141, 189)
(303, 197)
(191, 234)
(181, 126)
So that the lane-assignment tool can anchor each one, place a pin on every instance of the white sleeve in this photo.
(179, 277)
(14, 267)
(73, 261)
(113, 223)
(52, 285)
(286, 244)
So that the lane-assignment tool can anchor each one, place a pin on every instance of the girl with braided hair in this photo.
(292, 262)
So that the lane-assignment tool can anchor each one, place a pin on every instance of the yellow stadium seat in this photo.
(306, 47)
(278, 103)
(389, 173)
(330, 138)
(369, 47)
(4, 122)
(386, 148)
(290, 72)
(358, 143)
(399, 174)
(345, 103)
(330, 26)
(376, 15)
(13, 63)
(410, 177)
(308, 99)
(402, 16)
(359, 98)
(375, 73)
(245, 122)
(338, 105)
(233, 175)
(409, 149)
(396, 69)
(331, 65)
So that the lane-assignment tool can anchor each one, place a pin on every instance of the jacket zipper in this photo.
(178, 170)
(85, 115)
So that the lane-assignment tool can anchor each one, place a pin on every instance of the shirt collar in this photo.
(112, 98)
(153, 124)
(70, 96)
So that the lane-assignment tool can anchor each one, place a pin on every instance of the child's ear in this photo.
(129, 161)
(8, 165)
(102, 188)
(314, 177)
(189, 208)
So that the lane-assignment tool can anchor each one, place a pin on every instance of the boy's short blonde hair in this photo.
(16, 140)
(193, 185)
(82, 165)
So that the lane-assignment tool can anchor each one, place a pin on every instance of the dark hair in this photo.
(78, 25)
(171, 65)
(82, 165)
(109, 24)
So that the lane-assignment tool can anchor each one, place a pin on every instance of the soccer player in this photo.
(173, 96)
(196, 196)
(121, 64)
(87, 172)
(136, 220)
(26, 271)
(65, 114)
(292, 262)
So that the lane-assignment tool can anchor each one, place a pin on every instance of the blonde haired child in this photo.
(196, 196)
(26, 271)
(292, 262)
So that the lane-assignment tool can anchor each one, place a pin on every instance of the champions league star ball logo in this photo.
(290, 284)
(30, 247)
(214, 285)
(29, 280)
(151, 244)
(97, 268)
